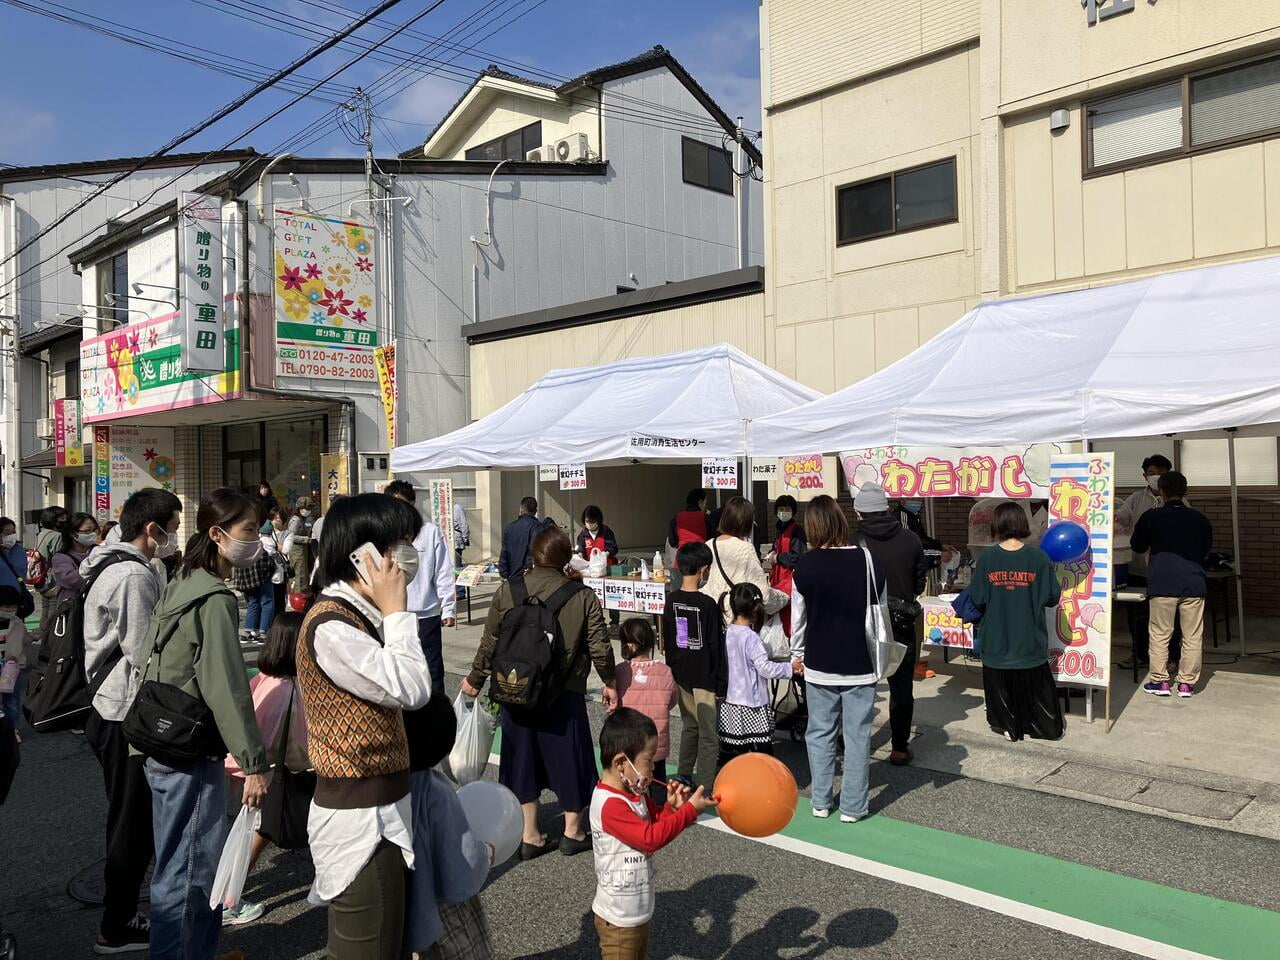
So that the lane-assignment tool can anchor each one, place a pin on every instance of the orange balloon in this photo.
(757, 794)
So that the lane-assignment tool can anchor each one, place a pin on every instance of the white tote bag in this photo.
(774, 637)
(886, 652)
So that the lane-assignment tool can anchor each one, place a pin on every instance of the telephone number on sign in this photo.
(330, 370)
(325, 355)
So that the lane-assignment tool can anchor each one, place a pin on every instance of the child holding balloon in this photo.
(627, 828)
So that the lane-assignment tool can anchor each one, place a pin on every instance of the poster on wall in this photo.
(720, 473)
(326, 298)
(333, 466)
(200, 272)
(68, 442)
(1082, 490)
(127, 459)
(802, 473)
(139, 369)
(385, 359)
(440, 508)
(573, 476)
(1017, 473)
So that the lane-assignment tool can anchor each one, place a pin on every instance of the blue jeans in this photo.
(828, 707)
(189, 820)
(261, 609)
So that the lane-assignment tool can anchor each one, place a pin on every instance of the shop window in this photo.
(511, 146)
(706, 166)
(898, 202)
(292, 449)
(113, 288)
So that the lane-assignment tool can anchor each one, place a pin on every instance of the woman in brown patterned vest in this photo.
(359, 665)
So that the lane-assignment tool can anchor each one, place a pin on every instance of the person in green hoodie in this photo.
(192, 643)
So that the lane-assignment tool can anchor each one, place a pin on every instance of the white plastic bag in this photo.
(233, 868)
(775, 639)
(599, 565)
(470, 753)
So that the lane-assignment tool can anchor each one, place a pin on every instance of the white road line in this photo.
(978, 898)
(1074, 926)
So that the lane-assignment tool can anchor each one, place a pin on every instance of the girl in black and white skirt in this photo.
(746, 718)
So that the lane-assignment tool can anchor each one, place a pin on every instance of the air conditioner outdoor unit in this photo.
(44, 428)
(569, 149)
(541, 154)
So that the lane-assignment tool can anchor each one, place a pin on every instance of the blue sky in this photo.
(76, 95)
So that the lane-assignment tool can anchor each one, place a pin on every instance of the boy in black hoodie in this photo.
(899, 555)
(693, 628)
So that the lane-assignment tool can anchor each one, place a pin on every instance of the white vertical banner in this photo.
(200, 228)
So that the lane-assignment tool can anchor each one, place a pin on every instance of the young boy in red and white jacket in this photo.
(628, 828)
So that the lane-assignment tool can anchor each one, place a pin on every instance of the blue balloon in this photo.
(1065, 542)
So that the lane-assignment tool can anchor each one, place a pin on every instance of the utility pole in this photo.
(743, 183)
(10, 330)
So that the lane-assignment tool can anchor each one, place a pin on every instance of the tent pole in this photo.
(1235, 534)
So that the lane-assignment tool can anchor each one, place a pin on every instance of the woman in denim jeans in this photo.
(828, 636)
(192, 644)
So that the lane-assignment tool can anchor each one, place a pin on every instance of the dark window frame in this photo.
(1186, 149)
(892, 177)
(524, 144)
(709, 147)
(109, 297)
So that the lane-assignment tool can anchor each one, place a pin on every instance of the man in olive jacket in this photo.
(550, 747)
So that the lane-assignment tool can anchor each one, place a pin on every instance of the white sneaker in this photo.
(820, 813)
(845, 818)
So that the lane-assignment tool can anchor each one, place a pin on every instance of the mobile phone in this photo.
(364, 558)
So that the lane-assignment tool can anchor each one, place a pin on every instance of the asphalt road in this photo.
(723, 896)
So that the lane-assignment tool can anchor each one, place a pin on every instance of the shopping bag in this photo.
(228, 881)
(886, 653)
(470, 753)
(775, 639)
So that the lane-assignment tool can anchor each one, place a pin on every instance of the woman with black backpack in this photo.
(547, 744)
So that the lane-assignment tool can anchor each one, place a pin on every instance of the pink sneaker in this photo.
(1186, 691)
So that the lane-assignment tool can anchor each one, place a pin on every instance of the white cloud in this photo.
(27, 132)
(426, 103)
(725, 58)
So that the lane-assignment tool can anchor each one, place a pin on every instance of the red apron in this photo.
(780, 577)
(691, 527)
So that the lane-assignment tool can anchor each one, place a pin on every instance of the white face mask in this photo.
(240, 553)
(639, 784)
(87, 539)
(1154, 483)
(304, 513)
(406, 559)
(9, 540)
(784, 516)
(166, 549)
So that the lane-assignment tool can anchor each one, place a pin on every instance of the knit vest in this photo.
(358, 749)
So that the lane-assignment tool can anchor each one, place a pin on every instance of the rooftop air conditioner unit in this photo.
(541, 154)
(569, 149)
(44, 428)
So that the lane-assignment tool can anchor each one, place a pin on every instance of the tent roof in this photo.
(1183, 352)
(592, 414)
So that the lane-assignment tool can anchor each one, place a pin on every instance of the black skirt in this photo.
(1023, 703)
(549, 749)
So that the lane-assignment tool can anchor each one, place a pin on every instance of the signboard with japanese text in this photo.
(127, 459)
(640, 444)
(1082, 490)
(802, 473)
(200, 270)
(1018, 473)
(764, 470)
(942, 628)
(138, 369)
(333, 467)
(596, 584)
(620, 595)
(650, 597)
(326, 298)
(440, 508)
(720, 473)
(573, 476)
(548, 473)
(385, 360)
(68, 442)
(470, 575)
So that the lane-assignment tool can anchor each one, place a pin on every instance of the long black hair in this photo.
(223, 508)
(745, 600)
(72, 527)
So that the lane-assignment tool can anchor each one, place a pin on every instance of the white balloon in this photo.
(494, 815)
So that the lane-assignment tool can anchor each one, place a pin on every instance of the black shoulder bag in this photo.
(288, 801)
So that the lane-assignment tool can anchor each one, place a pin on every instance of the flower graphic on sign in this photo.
(296, 307)
(362, 246)
(313, 271)
(339, 275)
(313, 296)
(149, 453)
(335, 302)
(365, 300)
(359, 316)
(355, 233)
(364, 264)
(133, 391)
(292, 278)
(162, 468)
(339, 237)
(135, 344)
(317, 316)
(152, 337)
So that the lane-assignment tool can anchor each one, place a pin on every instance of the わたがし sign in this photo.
(942, 628)
(127, 459)
(1082, 491)
(1018, 473)
(802, 473)
(326, 297)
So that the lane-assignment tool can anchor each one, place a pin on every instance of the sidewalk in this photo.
(1213, 760)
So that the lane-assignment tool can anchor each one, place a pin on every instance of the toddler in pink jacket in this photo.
(646, 685)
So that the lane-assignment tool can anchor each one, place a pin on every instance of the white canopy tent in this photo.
(1192, 353)
(645, 408)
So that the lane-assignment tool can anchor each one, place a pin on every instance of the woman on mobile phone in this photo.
(359, 665)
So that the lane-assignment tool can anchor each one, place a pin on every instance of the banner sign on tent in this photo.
(720, 473)
(764, 469)
(650, 597)
(620, 595)
(1018, 473)
(803, 473)
(548, 472)
(573, 476)
(642, 443)
(1082, 490)
(440, 508)
(942, 628)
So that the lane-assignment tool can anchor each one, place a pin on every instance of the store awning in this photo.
(645, 408)
(40, 460)
(1196, 351)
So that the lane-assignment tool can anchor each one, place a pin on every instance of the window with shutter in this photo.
(1135, 125)
(1235, 103)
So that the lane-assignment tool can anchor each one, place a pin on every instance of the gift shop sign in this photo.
(127, 459)
(201, 274)
(1018, 473)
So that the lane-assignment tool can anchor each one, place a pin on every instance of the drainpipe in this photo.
(475, 279)
(263, 176)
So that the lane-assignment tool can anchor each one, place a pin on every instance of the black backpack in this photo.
(63, 696)
(530, 648)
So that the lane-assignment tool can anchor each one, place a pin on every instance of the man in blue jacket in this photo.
(517, 540)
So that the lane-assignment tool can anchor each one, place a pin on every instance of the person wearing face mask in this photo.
(734, 560)
(80, 537)
(788, 545)
(277, 542)
(360, 665)
(302, 556)
(192, 645)
(123, 591)
(432, 588)
(596, 535)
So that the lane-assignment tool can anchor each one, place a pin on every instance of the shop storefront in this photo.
(286, 453)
